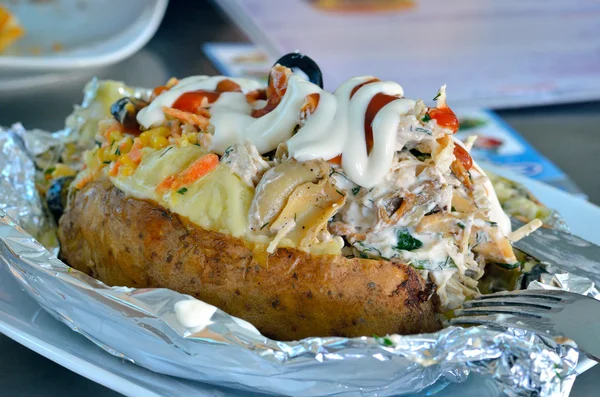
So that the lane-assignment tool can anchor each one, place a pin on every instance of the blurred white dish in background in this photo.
(73, 34)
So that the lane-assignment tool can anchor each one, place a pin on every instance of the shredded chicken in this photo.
(245, 161)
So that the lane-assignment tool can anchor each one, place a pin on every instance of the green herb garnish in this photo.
(426, 131)
(106, 162)
(49, 171)
(98, 143)
(437, 96)
(385, 340)
(493, 224)
(182, 190)
(426, 118)
(340, 193)
(227, 151)
(461, 225)
(355, 190)
(118, 151)
(165, 152)
(406, 242)
(263, 226)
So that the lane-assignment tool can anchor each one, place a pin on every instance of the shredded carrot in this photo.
(114, 169)
(166, 184)
(84, 181)
(195, 171)
(114, 125)
(200, 121)
(135, 155)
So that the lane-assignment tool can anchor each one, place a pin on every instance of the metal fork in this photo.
(549, 313)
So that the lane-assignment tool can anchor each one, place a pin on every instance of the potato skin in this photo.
(287, 295)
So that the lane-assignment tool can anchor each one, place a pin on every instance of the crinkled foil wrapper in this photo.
(141, 325)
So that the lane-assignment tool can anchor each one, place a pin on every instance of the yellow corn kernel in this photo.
(126, 161)
(115, 135)
(61, 170)
(164, 131)
(158, 142)
(113, 152)
(126, 171)
(145, 138)
(126, 145)
(101, 155)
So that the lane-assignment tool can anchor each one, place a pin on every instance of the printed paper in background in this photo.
(490, 53)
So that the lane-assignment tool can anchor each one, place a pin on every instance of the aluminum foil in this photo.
(141, 325)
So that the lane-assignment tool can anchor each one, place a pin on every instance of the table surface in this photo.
(566, 134)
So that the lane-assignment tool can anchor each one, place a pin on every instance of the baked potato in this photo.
(303, 212)
(287, 295)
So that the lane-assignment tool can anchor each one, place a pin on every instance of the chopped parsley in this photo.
(183, 190)
(197, 144)
(461, 225)
(355, 190)
(437, 96)
(333, 172)
(106, 162)
(263, 226)
(452, 209)
(339, 192)
(426, 118)
(424, 130)
(98, 143)
(492, 224)
(118, 151)
(165, 152)
(406, 242)
(49, 171)
(427, 264)
(383, 340)
(227, 151)
(365, 249)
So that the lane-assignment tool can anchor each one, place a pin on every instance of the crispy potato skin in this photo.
(287, 295)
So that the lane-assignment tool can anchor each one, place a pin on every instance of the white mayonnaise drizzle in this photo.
(153, 115)
(335, 127)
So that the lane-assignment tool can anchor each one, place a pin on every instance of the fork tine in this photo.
(524, 311)
(548, 295)
(537, 325)
(543, 304)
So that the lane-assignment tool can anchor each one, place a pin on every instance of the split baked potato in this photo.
(208, 188)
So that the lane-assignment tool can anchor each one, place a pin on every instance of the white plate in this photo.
(23, 320)
(91, 33)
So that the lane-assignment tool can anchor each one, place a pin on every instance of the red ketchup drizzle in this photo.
(193, 100)
(377, 102)
(275, 91)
